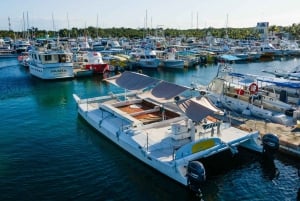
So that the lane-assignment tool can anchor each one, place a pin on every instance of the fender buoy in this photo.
(240, 91)
(253, 88)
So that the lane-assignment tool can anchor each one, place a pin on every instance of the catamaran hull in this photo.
(124, 141)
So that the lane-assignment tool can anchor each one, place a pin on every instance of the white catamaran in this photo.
(164, 130)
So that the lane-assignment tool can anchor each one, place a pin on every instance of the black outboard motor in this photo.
(195, 176)
(270, 144)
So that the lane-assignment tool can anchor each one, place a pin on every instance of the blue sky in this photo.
(179, 14)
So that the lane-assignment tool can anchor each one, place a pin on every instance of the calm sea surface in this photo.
(48, 153)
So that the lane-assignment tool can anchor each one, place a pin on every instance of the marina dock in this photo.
(289, 136)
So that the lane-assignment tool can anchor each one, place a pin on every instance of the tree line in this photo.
(234, 33)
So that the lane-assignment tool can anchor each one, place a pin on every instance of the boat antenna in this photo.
(53, 25)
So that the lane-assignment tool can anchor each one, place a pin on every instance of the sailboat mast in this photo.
(146, 22)
(192, 20)
(53, 24)
(226, 31)
(146, 19)
(68, 24)
(197, 21)
(23, 36)
(27, 26)
(97, 26)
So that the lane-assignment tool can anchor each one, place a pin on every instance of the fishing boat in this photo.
(96, 63)
(153, 121)
(115, 60)
(144, 58)
(50, 64)
(22, 46)
(251, 95)
(170, 60)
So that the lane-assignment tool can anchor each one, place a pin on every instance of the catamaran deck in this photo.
(147, 112)
(155, 134)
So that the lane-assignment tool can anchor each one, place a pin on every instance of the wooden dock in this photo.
(289, 137)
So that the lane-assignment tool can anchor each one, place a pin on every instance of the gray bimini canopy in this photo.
(198, 108)
(167, 90)
(162, 91)
(132, 81)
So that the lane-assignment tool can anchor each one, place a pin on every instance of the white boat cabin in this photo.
(51, 57)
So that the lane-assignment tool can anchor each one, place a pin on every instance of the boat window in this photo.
(62, 58)
(48, 57)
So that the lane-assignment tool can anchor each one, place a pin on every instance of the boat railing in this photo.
(127, 102)
(104, 98)
(211, 128)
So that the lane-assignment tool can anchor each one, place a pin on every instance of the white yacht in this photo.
(164, 130)
(145, 58)
(51, 64)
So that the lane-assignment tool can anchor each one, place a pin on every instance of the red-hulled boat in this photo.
(96, 63)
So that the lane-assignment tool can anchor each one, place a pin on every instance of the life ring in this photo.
(253, 88)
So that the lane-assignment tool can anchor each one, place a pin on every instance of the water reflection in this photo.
(269, 169)
(51, 94)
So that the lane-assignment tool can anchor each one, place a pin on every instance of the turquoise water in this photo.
(48, 153)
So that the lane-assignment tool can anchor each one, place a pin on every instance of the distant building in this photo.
(262, 29)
